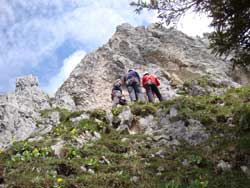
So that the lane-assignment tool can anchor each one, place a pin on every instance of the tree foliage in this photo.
(230, 20)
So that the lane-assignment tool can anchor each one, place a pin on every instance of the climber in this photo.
(116, 95)
(151, 83)
(133, 84)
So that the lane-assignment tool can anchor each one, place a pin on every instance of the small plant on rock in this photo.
(171, 184)
(197, 183)
(195, 159)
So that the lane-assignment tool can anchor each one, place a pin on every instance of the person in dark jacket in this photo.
(133, 84)
(151, 83)
(116, 95)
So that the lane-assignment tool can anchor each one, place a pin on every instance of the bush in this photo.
(144, 109)
(116, 111)
(98, 114)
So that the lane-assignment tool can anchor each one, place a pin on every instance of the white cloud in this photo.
(191, 23)
(194, 24)
(68, 65)
(31, 30)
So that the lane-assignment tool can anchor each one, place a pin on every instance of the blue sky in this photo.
(49, 37)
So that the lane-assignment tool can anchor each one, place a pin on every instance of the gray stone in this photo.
(86, 137)
(160, 169)
(161, 137)
(91, 171)
(83, 169)
(230, 122)
(97, 136)
(58, 148)
(126, 118)
(123, 129)
(224, 166)
(146, 124)
(185, 163)
(246, 170)
(124, 140)
(37, 138)
(104, 160)
(134, 179)
(173, 114)
(76, 120)
(161, 153)
(45, 124)
(172, 132)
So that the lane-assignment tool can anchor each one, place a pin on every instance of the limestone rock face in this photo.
(165, 128)
(20, 110)
(169, 54)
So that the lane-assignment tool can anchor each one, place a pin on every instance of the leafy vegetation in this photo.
(144, 109)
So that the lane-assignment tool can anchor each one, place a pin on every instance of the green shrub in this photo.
(87, 125)
(144, 109)
(116, 111)
(27, 153)
(98, 114)
(195, 159)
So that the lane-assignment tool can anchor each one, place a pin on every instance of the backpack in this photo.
(131, 81)
(131, 78)
(149, 80)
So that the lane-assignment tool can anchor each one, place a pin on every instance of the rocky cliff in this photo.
(20, 111)
(170, 54)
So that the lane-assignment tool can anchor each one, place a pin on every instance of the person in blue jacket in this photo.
(133, 83)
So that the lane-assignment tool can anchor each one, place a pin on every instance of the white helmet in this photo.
(145, 73)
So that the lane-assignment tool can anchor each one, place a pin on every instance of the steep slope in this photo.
(191, 142)
(171, 55)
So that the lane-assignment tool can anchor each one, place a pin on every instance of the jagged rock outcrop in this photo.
(171, 55)
(166, 128)
(20, 110)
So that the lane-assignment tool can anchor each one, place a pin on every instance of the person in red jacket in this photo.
(151, 83)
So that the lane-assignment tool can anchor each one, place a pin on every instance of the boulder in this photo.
(224, 166)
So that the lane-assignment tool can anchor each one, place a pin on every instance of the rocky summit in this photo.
(198, 137)
(20, 110)
(170, 54)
